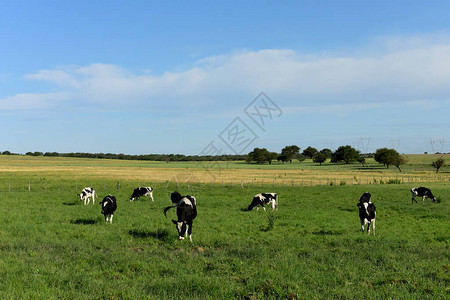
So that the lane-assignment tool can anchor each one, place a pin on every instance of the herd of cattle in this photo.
(186, 206)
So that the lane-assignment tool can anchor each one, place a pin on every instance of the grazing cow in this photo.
(87, 193)
(109, 206)
(186, 213)
(367, 214)
(263, 199)
(142, 191)
(365, 198)
(422, 192)
(175, 197)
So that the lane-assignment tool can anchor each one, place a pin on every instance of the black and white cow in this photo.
(422, 192)
(367, 214)
(109, 206)
(366, 197)
(175, 197)
(186, 213)
(263, 199)
(142, 191)
(87, 193)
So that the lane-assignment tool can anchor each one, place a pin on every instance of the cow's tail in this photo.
(167, 208)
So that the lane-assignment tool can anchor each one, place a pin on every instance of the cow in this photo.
(365, 198)
(422, 192)
(87, 193)
(186, 213)
(367, 214)
(175, 197)
(263, 199)
(109, 206)
(142, 191)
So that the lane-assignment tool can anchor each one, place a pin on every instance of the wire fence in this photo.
(113, 186)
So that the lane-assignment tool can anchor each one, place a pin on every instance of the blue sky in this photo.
(140, 77)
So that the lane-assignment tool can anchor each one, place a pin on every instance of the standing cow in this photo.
(422, 192)
(186, 213)
(367, 214)
(263, 199)
(109, 206)
(87, 193)
(366, 197)
(142, 191)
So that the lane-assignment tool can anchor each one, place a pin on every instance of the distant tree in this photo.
(346, 154)
(398, 160)
(361, 160)
(282, 158)
(301, 157)
(383, 156)
(389, 157)
(29, 153)
(291, 152)
(6, 152)
(51, 154)
(327, 152)
(438, 163)
(260, 156)
(272, 156)
(310, 152)
(319, 158)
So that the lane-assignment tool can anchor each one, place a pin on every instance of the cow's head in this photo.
(181, 228)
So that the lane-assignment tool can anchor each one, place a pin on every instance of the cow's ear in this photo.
(174, 222)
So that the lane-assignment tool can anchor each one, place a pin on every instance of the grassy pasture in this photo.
(53, 247)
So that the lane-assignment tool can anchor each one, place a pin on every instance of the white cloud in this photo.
(416, 69)
(32, 101)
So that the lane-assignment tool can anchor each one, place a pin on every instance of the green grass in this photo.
(53, 247)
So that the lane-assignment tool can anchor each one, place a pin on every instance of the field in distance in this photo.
(418, 168)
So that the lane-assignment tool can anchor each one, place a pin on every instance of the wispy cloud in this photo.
(396, 71)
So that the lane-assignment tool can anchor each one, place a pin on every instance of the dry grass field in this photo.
(417, 169)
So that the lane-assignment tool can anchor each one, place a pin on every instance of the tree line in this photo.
(346, 154)
(150, 157)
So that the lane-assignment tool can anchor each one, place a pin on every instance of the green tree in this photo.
(398, 160)
(387, 157)
(290, 152)
(346, 154)
(310, 152)
(438, 163)
(260, 156)
(319, 158)
(327, 152)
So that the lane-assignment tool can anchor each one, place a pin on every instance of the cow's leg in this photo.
(368, 227)
(373, 227)
(151, 197)
(362, 226)
(110, 219)
(189, 231)
(264, 208)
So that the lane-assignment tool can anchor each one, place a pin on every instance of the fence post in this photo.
(118, 185)
(242, 184)
(29, 186)
(45, 188)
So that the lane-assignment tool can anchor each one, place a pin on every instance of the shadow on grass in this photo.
(162, 234)
(70, 203)
(84, 221)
